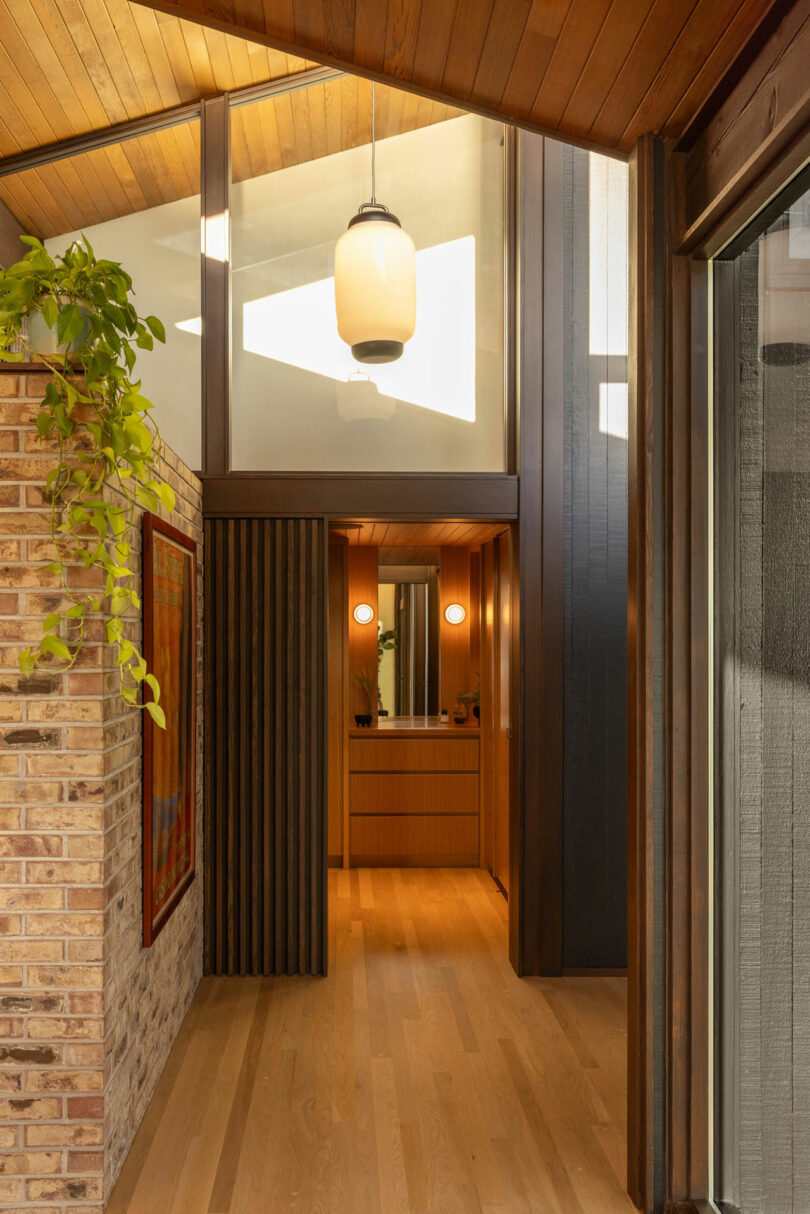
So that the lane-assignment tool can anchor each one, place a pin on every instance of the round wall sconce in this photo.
(454, 613)
(364, 613)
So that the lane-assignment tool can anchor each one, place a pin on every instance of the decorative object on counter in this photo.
(367, 683)
(444, 717)
(454, 613)
(364, 613)
(463, 699)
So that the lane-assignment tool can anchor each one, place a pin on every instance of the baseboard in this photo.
(576, 972)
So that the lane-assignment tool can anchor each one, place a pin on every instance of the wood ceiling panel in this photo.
(104, 184)
(395, 537)
(72, 66)
(321, 120)
(597, 72)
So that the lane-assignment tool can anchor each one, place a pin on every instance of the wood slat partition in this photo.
(265, 796)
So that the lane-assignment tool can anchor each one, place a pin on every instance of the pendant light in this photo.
(375, 278)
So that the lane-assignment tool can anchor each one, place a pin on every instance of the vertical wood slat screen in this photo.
(265, 801)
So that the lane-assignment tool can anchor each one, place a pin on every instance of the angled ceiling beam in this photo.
(11, 230)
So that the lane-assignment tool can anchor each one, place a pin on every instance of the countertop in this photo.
(415, 727)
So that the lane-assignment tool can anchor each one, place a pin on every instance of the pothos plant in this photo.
(107, 443)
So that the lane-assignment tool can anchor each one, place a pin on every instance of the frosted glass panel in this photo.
(300, 402)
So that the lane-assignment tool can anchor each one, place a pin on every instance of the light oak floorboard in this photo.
(420, 1076)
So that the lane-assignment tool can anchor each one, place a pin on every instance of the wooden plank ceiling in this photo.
(71, 194)
(393, 538)
(598, 71)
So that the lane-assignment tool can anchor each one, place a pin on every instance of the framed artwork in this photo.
(169, 777)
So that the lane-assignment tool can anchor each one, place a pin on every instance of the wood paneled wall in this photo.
(455, 672)
(265, 811)
(362, 581)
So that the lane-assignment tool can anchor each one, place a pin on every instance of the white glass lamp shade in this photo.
(375, 286)
(454, 613)
(364, 613)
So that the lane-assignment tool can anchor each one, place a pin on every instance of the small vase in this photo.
(460, 714)
(477, 711)
(363, 720)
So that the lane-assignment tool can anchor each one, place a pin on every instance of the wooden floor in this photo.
(421, 1075)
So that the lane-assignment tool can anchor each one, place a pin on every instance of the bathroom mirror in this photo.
(408, 639)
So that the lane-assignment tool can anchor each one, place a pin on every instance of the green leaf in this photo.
(166, 495)
(69, 324)
(157, 327)
(156, 713)
(50, 621)
(50, 311)
(152, 682)
(52, 644)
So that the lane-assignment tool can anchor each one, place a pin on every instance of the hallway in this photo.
(421, 1075)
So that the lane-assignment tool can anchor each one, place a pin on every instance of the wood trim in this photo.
(645, 373)
(362, 496)
(754, 141)
(688, 731)
(215, 142)
(152, 524)
(526, 826)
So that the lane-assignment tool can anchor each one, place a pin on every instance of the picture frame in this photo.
(169, 755)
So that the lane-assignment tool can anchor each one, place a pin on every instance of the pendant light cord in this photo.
(373, 147)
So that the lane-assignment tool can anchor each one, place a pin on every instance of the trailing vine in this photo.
(107, 443)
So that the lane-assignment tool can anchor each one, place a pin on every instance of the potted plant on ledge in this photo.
(367, 683)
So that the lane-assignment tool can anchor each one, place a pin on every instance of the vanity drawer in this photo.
(413, 754)
(413, 793)
(427, 840)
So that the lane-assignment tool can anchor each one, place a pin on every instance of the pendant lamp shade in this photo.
(375, 285)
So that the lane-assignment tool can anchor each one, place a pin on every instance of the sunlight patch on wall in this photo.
(607, 255)
(613, 410)
(437, 370)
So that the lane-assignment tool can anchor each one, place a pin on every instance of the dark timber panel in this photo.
(595, 599)
(265, 747)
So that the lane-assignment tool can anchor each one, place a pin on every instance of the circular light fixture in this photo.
(364, 613)
(375, 279)
(454, 613)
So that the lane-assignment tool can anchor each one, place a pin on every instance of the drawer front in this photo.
(413, 793)
(430, 840)
(413, 754)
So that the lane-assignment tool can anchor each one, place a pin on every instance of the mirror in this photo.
(408, 639)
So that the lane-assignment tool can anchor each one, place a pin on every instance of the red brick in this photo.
(85, 1108)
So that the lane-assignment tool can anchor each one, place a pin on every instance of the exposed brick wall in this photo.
(86, 1015)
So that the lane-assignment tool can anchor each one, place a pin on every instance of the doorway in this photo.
(420, 647)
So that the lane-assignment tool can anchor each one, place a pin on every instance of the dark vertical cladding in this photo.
(265, 754)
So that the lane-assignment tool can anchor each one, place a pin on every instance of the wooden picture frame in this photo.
(169, 756)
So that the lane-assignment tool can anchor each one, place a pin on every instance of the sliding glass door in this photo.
(762, 713)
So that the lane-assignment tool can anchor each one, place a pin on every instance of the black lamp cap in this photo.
(373, 210)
